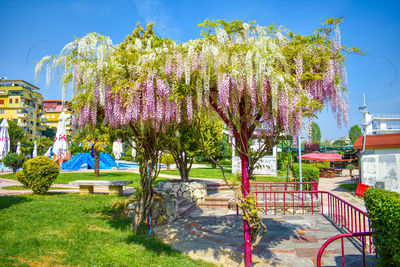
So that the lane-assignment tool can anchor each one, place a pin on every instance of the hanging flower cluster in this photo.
(277, 77)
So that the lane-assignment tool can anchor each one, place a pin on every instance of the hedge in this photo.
(384, 215)
(308, 171)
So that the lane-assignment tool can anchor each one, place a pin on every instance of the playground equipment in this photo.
(106, 161)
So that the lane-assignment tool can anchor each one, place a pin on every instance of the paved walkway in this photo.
(216, 235)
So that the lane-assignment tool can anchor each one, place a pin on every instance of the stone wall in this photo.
(191, 191)
(165, 209)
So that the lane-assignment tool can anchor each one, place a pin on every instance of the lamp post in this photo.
(300, 174)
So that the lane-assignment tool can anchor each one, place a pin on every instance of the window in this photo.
(52, 116)
(10, 101)
(16, 101)
(1, 101)
(47, 116)
(1, 111)
(30, 131)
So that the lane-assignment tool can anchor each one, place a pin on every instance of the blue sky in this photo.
(33, 29)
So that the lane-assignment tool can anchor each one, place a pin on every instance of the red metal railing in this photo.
(339, 211)
(309, 184)
(341, 236)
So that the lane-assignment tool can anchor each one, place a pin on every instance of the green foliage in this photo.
(39, 173)
(75, 148)
(225, 162)
(13, 161)
(354, 132)
(16, 134)
(315, 133)
(339, 143)
(308, 171)
(22, 179)
(167, 159)
(384, 216)
(50, 132)
(323, 165)
(215, 142)
(127, 158)
(43, 144)
(351, 167)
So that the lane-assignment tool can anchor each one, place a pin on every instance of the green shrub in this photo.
(225, 162)
(127, 158)
(384, 216)
(21, 178)
(167, 159)
(323, 165)
(38, 174)
(308, 171)
(351, 168)
(13, 161)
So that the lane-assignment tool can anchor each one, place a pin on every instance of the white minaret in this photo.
(367, 124)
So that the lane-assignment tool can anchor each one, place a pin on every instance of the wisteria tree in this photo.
(262, 82)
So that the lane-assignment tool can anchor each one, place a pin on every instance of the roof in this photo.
(29, 84)
(52, 101)
(378, 141)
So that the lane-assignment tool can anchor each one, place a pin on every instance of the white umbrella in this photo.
(117, 149)
(4, 139)
(34, 152)
(18, 150)
(60, 146)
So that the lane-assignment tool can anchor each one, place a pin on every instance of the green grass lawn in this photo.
(75, 230)
(21, 187)
(349, 187)
(66, 177)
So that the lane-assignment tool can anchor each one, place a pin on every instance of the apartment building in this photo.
(20, 102)
(52, 110)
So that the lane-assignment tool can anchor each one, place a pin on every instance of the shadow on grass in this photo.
(117, 219)
(8, 201)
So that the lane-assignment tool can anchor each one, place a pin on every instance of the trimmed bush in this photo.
(384, 215)
(308, 171)
(225, 162)
(127, 158)
(38, 174)
(21, 178)
(13, 161)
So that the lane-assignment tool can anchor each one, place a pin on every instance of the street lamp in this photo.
(300, 173)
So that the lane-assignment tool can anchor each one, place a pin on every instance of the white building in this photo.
(380, 160)
(266, 165)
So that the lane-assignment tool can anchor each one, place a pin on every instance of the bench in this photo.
(86, 186)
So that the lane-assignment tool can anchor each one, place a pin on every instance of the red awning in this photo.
(322, 157)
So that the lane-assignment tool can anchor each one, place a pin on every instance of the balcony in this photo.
(22, 115)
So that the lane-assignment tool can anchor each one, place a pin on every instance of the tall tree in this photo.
(354, 132)
(315, 133)
(261, 81)
(184, 148)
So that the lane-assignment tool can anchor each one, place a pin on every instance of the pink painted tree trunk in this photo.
(245, 191)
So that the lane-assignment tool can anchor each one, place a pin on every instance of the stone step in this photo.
(215, 202)
(184, 207)
(217, 187)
